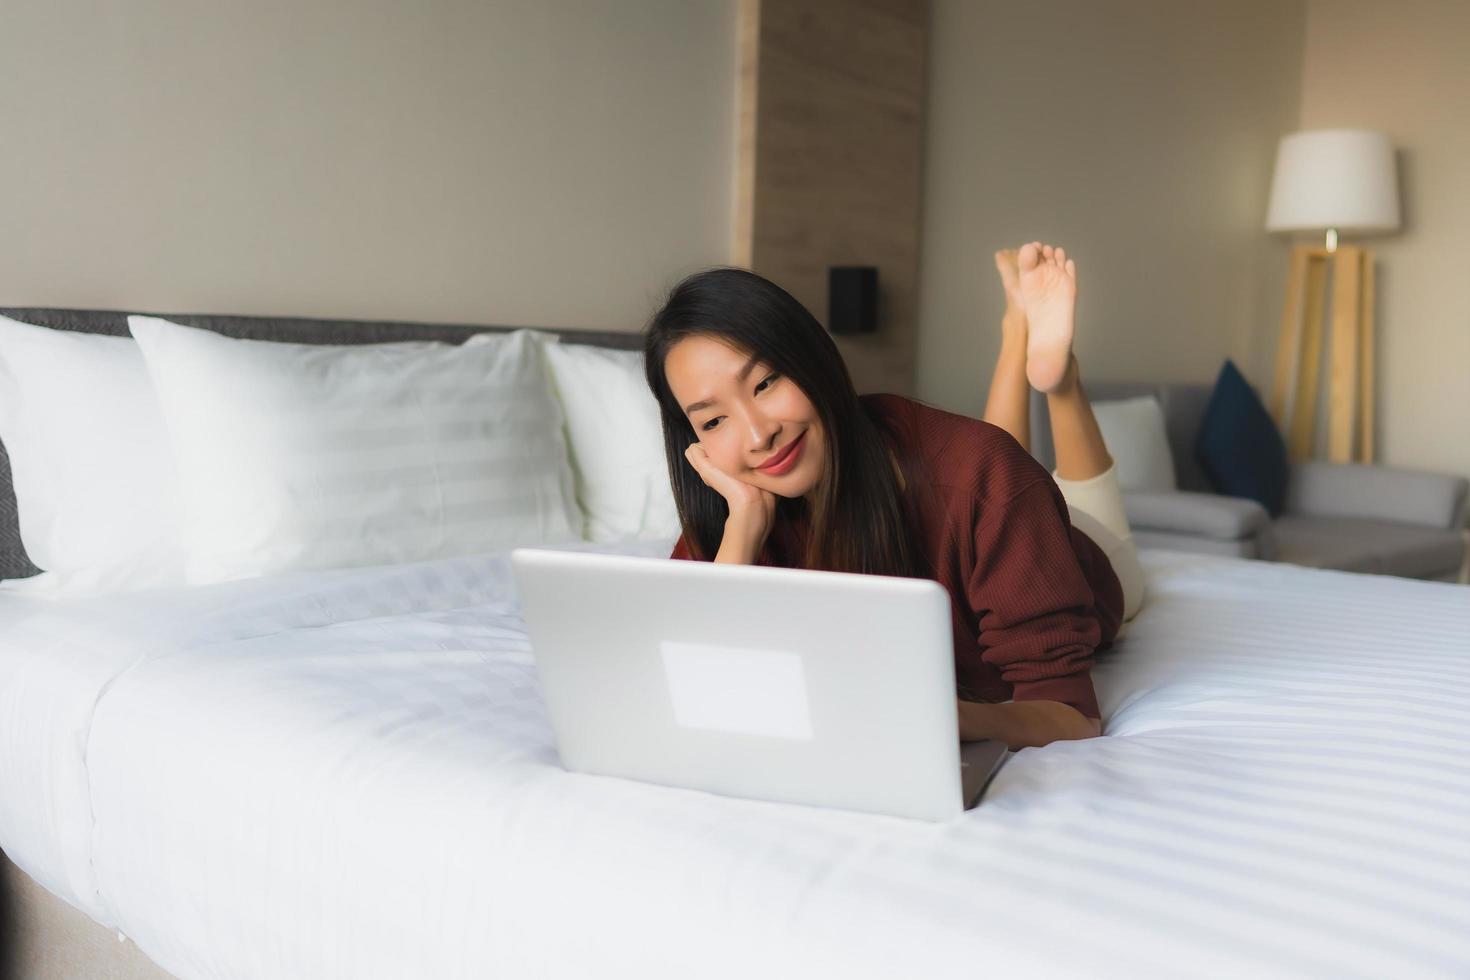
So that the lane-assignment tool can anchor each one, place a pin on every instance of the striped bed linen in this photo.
(351, 774)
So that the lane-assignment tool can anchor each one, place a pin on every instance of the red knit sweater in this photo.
(1032, 597)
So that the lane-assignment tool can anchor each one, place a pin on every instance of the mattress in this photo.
(59, 657)
(351, 774)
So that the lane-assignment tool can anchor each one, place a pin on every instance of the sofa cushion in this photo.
(1238, 445)
(1356, 545)
(1321, 489)
(1194, 544)
(1133, 431)
(1205, 514)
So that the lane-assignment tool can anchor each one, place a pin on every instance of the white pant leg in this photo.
(1096, 506)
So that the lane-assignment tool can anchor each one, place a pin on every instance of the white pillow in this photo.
(617, 442)
(294, 456)
(1133, 430)
(90, 460)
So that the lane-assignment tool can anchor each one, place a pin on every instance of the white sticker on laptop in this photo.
(737, 689)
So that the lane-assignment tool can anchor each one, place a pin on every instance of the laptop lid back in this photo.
(823, 688)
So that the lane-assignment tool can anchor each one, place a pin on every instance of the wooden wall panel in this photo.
(829, 162)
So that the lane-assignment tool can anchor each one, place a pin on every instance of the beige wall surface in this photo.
(1138, 133)
(1404, 68)
(526, 162)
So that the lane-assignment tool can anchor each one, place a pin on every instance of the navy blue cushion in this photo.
(1238, 446)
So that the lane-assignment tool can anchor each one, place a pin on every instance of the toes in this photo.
(1061, 256)
(1030, 256)
(1072, 268)
(1047, 251)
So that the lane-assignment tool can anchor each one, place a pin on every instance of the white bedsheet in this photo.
(58, 657)
(351, 775)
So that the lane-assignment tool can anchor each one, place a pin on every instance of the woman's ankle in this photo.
(1071, 384)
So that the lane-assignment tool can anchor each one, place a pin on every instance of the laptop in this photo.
(828, 689)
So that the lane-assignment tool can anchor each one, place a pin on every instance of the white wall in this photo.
(1405, 68)
(528, 162)
(1138, 133)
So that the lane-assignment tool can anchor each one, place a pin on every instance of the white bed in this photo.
(350, 774)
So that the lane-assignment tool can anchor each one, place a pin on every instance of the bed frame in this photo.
(42, 937)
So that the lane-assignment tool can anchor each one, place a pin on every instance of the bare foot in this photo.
(1048, 288)
(1010, 278)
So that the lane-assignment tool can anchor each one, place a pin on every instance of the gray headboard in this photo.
(300, 330)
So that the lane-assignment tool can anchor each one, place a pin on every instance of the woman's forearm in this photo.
(741, 543)
(1022, 724)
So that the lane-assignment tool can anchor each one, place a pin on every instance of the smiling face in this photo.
(745, 414)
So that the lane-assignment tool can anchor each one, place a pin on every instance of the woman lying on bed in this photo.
(784, 464)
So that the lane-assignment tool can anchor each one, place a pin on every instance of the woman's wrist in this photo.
(973, 726)
(744, 535)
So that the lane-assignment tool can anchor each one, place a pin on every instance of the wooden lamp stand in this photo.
(1299, 352)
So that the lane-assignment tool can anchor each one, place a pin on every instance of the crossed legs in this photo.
(1036, 352)
(1043, 353)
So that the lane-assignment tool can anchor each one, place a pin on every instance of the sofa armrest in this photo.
(1206, 515)
(1321, 489)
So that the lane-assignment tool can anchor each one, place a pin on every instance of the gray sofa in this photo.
(1345, 516)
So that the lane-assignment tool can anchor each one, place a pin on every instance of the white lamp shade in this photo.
(1334, 178)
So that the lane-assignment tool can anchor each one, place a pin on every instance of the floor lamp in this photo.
(1330, 181)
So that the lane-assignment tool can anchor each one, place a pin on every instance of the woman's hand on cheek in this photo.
(747, 501)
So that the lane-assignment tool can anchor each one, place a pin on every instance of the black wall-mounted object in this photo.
(852, 299)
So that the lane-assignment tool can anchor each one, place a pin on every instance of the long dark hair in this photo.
(858, 518)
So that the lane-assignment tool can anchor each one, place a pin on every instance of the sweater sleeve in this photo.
(1032, 600)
